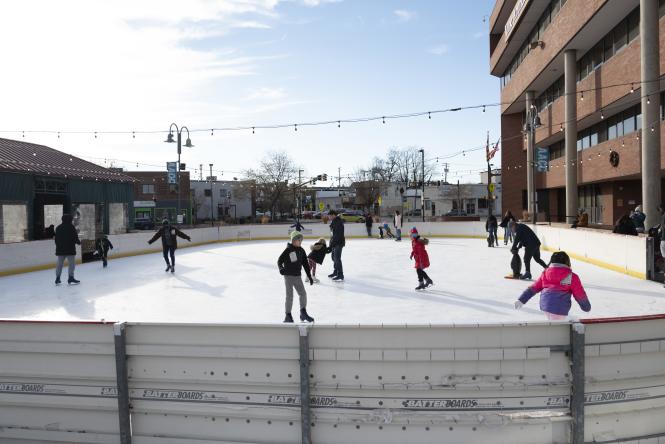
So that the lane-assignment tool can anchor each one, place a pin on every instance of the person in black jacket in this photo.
(290, 262)
(507, 224)
(625, 226)
(368, 224)
(66, 239)
(525, 237)
(169, 235)
(102, 245)
(491, 227)
(318, 253)
(337, 242)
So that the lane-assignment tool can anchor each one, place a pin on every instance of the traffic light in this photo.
(319, 177)
(325, 177)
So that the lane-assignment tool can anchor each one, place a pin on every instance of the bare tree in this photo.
(272, 179)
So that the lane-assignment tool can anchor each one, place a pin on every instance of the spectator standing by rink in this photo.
(638, 218)
(290, 262)
(525, 237)
(625, 226)
(556, 285)
(368, 224)
(169, 235)
(337, 243)
(66, 239)
(507, 224)
(397, 221)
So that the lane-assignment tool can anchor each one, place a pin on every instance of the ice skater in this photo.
(491, 228)
(369, 220)
(419, 253)
(389, 233)
(337, 243)
(525, 237)
(169, 235)
(66, 239)
(319, 249)
(290, 262)
(102, 245)
(556, 285)
(397, 221)
(515, 266)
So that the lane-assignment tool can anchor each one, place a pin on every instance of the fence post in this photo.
(304, 386)
(124, 417)
(577, 387)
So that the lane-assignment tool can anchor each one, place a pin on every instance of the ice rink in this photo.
(239, 283)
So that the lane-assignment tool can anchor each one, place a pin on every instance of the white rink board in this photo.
(369, 384)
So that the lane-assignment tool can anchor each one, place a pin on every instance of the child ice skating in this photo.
(556, 285)
(419, 253)
(102, 245)
(169, 235)
(290, 262)
(316, 256)
(515, 265)
(389, 234)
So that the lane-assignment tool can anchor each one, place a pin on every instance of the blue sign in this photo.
(542, 159)
(172, 173)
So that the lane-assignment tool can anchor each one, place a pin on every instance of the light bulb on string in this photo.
(212, 131)
(339, 124)
(632, 90)
(24, 134)
(429, 115)
(483, 108)
(252, 130)
(295, 127)
(561, 128)
(648, 100)
(383, 119)
(582, 96)
(58, 134)
(133, 135)
(602, 116)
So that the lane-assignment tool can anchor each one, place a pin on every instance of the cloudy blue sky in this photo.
(142, 64)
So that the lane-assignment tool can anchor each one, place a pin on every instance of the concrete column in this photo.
(650, 69)
(570, 113)
(530, 136)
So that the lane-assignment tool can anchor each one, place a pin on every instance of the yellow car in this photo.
(353, 216)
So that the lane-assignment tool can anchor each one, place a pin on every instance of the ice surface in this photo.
(239, 283)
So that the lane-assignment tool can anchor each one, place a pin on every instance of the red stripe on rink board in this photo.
(28, 321)
(622, 319)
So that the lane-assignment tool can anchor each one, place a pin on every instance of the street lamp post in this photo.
(188, 144)
(212, 214)
(422, 198)
(532, 122)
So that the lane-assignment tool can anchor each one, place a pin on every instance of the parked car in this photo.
(144, 223)
(353, 216)
(308, 214)
(414, 213)
(456, 212)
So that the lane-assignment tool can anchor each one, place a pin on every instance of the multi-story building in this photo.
(228, 199)
(590, 71)
(156, 199)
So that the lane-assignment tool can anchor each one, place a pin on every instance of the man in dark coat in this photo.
(66, 239)
(368, 224)
(491, 228)
(525, 237)
(337, 242)
(169, 235)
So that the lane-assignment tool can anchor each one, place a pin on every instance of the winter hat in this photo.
(414, 232)
(296, 235)
(66, 218)
(560, 257)
(638, 208)
(385, 225)
(165, 222)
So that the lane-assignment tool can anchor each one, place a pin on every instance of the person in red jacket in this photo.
(556, 285)
(419, 253)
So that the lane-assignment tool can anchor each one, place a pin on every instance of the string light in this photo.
(582, 96)
(648, 100)
(252, 130)
(483, 108)
(561, 128)
(95, 134)
(602, 116)
(383, 119)
(133, 135)
(339, 124)
(632, 90)
(212, 132)
(295, 126)
(429, 115)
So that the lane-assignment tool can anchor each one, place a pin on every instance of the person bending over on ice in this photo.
(290, 262)
(318, 253)
(556, 285)
(169, 235)
(419, 253)
(389, 234)
(525, 237)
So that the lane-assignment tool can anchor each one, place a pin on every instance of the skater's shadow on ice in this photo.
(201, 286)
(625, 291)
(483, 302)
(77, 304)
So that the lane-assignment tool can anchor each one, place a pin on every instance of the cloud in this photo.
(479, 35)
(313, 3)
(250, 24)
(267, 94)
(404, 16)
(438, 49)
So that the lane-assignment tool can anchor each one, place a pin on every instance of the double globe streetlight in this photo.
(188, 144)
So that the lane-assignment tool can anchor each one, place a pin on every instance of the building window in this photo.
(222, 193)
(207, 192)
(148, 188)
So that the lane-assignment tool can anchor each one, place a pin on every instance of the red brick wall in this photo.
(513, 179)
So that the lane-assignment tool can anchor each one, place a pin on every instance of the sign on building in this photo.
(542, 159)
(172, 173)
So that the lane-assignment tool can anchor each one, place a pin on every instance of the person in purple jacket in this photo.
(556, 285)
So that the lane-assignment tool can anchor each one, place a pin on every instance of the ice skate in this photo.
(288, 318)
(526, 276)
(316, 281)
(57, 281)
(105, 263)
(304, 316)
(338, 279)
(428, 282)
(73, 281)
(332, 275)
(168, 268)
(421, 286)
(172, 268)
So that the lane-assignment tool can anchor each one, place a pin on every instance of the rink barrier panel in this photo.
(368, 383)
(624, 254)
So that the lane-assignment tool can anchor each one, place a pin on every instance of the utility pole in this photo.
(422, 167)
(339, 183)
(212, 214)
(459, 201)
(299, 197)
(445, 172)
(201, 172)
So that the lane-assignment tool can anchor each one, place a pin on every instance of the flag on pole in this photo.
(492, 152)
(487, 147)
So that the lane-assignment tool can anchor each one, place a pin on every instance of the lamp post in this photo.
(188, 144)
(422, 198)
(212, 214)
(532, 122)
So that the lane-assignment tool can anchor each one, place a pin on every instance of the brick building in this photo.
(156, 199)
(577, 65)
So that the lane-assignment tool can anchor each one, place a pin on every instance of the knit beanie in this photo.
(296, 235)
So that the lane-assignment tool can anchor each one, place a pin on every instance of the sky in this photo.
(140, 65)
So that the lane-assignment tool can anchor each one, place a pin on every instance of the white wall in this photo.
(626, 254)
